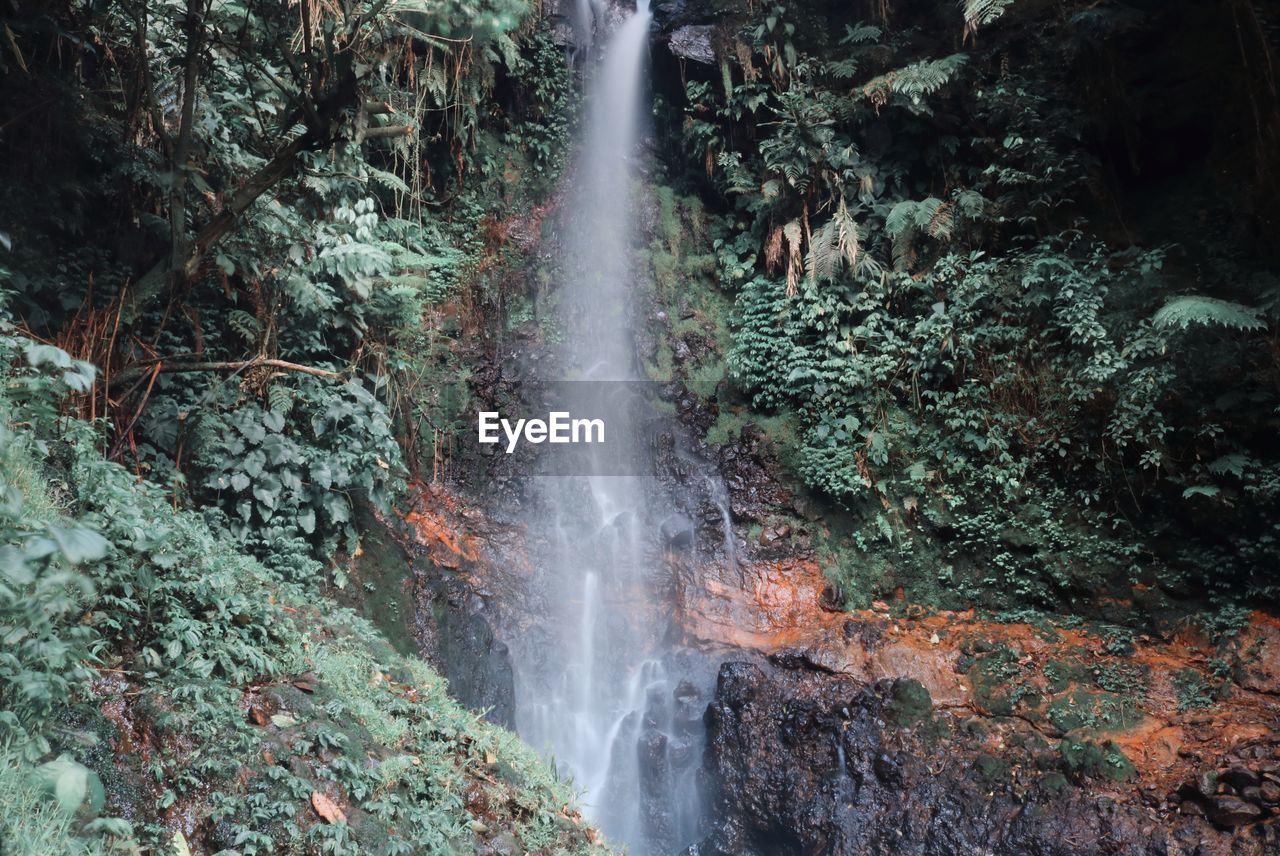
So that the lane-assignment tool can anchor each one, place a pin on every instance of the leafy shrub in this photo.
(43, 589)
(297, 470)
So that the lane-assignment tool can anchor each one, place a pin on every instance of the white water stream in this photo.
(598, 697)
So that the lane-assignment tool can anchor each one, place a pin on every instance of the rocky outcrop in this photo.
(806, 761)
(693, 42)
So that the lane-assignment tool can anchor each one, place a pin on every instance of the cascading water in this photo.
(596, 690)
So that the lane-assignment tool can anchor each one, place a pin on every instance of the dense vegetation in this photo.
(1008, 273)
(229, 233)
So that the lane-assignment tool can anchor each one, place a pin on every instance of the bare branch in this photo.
(222, 366)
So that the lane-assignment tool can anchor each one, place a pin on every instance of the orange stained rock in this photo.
(431, 520)
(770, 605)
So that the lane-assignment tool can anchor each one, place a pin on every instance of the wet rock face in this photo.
(452, 619)
(806, 761)
(455, 629)
(1245, 792)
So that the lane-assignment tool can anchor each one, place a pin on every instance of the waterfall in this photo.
(595, 689)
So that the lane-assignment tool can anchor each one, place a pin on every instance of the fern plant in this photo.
(979, 13)
(1200, 311)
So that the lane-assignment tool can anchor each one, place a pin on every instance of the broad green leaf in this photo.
(79, 544)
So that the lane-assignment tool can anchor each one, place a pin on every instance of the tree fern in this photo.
(1195, 309)
(793, 235)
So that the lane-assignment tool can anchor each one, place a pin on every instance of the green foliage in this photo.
(43, 589)
(909, 702)
(979, 13)
(1194, 692)
(298, 476)
(1184, 312)
(544, 132)
(38, 808)
(1086, 759)
(181, 627)
(968, 360)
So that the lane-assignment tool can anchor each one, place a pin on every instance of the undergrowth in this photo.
(155, 671)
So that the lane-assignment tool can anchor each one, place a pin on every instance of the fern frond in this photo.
(389, 180)
(317, 185)
(970, 203)
(927, 76)
(842, 69)
(737, 176)
(861, 34)
(901, 219)
(280, 399)
(1183, 312)
(979, 13)
(942, 223)
(245, 325)
(915, 80)
(833, 246)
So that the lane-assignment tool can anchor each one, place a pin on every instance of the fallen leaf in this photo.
(283, 720)
(327, 808)
(258, 716)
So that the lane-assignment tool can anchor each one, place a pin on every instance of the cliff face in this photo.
(807, 761)
(892, 729)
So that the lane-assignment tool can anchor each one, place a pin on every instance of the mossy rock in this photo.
(990, 768)
(909, 703)
(1086, 759)
(1053, 783)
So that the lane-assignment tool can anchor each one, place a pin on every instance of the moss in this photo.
(1098, 711)
(994, 678)
(990, 768)
(663, 366)
(727, 427)
(909, 703)
(705, 375)
(377, 582)
(1087, 759)
(1053, 782)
